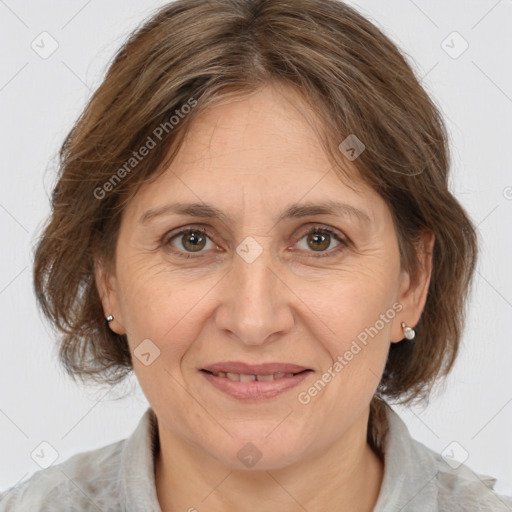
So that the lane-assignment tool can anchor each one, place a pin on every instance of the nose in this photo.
(256, 305)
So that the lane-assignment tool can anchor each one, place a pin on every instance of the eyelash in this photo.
(203, 231)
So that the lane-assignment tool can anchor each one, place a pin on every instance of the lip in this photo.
(255, 390)
(254, 369)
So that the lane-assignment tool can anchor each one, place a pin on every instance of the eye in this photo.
(191, 240)
(319, 238)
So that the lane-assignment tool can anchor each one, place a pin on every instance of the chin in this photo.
(258, 452)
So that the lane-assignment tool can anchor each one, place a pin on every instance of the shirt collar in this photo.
(137, 489)
(409, 481)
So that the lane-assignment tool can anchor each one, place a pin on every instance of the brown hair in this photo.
(198, 52)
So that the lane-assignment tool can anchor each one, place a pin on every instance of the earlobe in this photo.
(413, 292)
(106, 285)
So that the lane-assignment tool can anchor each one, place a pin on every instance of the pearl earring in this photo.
(109, 318)
(409, 332)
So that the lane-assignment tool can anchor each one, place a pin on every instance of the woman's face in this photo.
(258, 289)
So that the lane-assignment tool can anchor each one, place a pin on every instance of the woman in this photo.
(253, 215)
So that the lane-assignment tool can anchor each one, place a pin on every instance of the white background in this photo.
(41, 98)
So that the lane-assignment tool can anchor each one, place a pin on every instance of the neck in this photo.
(347, 473)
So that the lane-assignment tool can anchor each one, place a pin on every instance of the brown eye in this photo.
(319, 239)
(191, 240)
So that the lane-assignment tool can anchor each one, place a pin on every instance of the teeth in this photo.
(264, 377)
(243, 377)
(246, 378)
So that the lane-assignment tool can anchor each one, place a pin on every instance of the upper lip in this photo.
(254, 369)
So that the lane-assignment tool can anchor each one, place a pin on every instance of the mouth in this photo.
(247, 377)
(257, 382)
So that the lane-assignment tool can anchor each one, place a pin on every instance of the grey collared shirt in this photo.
(120, 477)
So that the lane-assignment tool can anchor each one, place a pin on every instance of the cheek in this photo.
(352, 320)
(165, 307)
(352, 303)
(164, 311)
(353, 330)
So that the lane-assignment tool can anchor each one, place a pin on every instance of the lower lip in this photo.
(255, 390)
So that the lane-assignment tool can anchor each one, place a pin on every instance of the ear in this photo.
(413, 292)
(107, 286)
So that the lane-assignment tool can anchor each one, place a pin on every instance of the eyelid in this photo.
(324, 227)
(342, 239)
(165, 240)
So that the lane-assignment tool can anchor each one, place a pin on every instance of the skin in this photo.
(251, 158)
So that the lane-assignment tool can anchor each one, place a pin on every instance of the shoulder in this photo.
(460, 489)
(418, 478)
(86, 481)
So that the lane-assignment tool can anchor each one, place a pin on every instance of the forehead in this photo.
(255, 152)
(266, 127)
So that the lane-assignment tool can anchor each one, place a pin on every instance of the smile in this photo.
(244, 377)
(254, 386)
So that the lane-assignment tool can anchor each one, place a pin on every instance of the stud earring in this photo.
(109, 318)
(409, 332)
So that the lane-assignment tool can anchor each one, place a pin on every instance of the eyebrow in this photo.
(294, 211)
